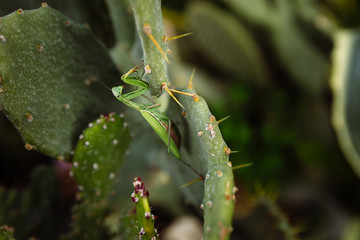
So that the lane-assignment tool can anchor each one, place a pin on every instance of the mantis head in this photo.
(117, 91)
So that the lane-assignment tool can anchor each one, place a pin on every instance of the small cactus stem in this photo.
(145, 220)
(271, 212)
(148, 17)
(219, 200)
(166, 39)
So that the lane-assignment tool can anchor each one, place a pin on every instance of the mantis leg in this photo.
(139, 65)
(169, 130)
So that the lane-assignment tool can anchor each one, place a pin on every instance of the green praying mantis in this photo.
(157, 120)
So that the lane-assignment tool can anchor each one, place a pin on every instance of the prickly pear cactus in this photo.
(205, 150)
(99, 155)
(49, 66)
(202, 146)
(145, 220)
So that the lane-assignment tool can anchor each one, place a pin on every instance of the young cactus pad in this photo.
(145, 219)
(48, 78)
(99, 155)
(206, 151)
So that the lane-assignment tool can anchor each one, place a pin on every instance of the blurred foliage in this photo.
(271, 222)
(344, 12)
(6, 233)
(35, 210)
(345, 86)
(280, 106)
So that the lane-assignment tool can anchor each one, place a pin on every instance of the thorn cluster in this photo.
(139, 190)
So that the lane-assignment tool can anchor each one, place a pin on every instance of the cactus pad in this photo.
(49, 67)
(99, 155)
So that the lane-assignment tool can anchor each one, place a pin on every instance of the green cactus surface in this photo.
(88, 221)
(219, 202)
(49, 66)
(97, 160)
(99, 155)
(205, 150)
(148, 19)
